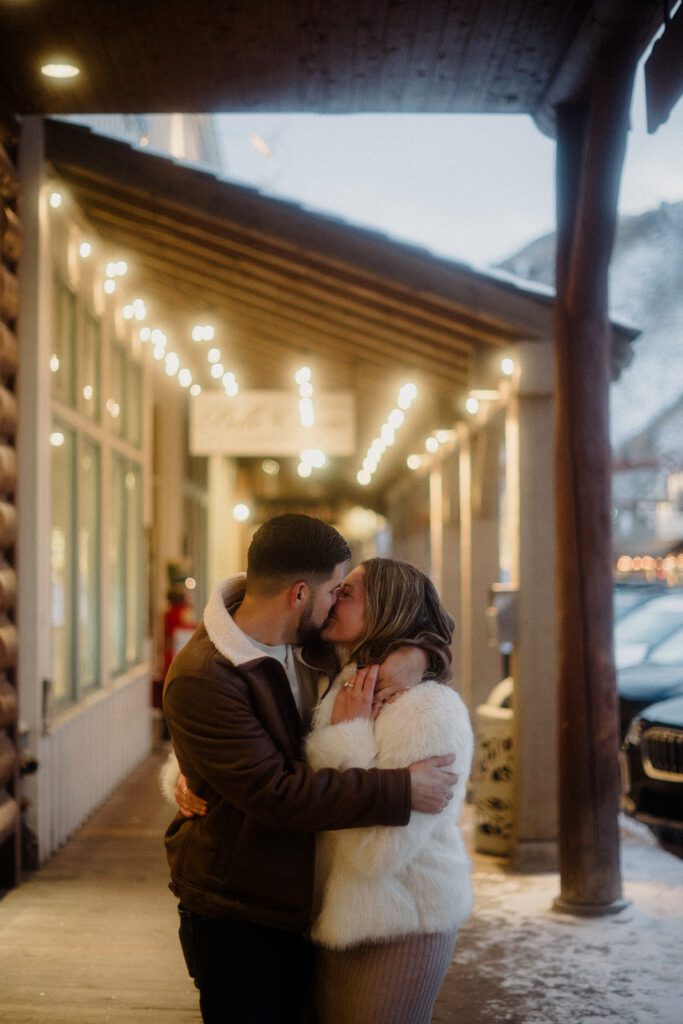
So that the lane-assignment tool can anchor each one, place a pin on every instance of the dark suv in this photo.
(651, 761)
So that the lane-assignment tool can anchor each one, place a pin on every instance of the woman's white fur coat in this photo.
(380, 883)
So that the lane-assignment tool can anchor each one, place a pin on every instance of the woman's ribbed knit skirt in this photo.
(393, 982)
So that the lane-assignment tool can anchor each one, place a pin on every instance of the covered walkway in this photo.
(91, 937)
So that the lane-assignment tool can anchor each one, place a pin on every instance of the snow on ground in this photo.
(536, 966)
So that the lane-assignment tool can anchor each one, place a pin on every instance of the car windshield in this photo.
(670, 651)
(652, 622)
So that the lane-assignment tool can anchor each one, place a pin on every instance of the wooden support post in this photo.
(591, 146)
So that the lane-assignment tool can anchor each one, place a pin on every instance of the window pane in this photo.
(117, 567)
(134, 561)
(63, 341)
(88, 386)
(88, 575)
(61, 561)
(134, 400)
(115, 404)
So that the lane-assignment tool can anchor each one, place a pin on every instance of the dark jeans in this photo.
(246, 974)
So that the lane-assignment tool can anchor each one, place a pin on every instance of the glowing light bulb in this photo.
(507, 366)
(213, 355)
(56, 200)
(195, 390)
(184, 378)
(241, 512)
(59, 69)
(472, 405)
(413, 462)
(302, 375)
(314, 457)
(363, 477)
(432, 445)
(84, 250)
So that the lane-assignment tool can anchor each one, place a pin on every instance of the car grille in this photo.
(662, 751)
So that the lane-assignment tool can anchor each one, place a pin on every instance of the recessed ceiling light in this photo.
(60, 70)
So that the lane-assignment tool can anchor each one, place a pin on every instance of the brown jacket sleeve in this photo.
(220, 740)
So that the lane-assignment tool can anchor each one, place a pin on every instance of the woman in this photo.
(388, 900)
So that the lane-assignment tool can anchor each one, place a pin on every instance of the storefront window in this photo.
(117, 567)
(134, 398)
(88, 367)
(88, 566)
(62, 443)
(116, 399)
(126, 565)
(62, 356)
(133, 499)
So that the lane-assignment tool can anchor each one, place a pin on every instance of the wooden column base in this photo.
(562, 906)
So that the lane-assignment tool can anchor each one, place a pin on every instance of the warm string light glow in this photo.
(60, 70)
(310, 459)
(136, 310)
(387, 434)
(472, 404)
(306, 410)
(203, 332)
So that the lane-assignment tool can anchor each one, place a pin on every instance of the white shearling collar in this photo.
(225, 634)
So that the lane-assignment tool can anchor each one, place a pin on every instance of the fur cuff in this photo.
(168, 778)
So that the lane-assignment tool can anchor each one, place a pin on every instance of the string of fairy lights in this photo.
(134, 310)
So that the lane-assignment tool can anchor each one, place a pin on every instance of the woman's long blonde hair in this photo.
(403, 607)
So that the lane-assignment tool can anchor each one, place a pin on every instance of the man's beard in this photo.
(308, 632)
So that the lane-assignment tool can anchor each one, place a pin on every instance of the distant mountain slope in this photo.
(646, 286)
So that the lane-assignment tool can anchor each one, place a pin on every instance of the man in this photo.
(236, 699)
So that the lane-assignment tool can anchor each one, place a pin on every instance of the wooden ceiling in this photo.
(284, 286)
(436, 56)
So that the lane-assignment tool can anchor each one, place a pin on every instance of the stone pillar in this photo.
(450, 573)
(530, 428)
(170, 443)
(227, 538)
(465, 498)
(487, 670)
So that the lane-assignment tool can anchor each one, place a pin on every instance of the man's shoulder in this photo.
(200, 658)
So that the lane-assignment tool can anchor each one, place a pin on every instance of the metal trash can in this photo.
(493, 772)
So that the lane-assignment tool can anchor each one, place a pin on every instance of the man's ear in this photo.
(299, 594)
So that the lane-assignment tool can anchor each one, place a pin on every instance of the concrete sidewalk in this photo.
(91, 938)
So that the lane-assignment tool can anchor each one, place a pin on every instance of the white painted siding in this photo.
(87, 754)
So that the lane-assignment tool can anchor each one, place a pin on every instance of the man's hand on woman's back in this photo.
(431, 783)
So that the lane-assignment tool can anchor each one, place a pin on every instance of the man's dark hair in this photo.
(290, 547)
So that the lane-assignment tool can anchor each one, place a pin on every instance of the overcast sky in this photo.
(476, 188)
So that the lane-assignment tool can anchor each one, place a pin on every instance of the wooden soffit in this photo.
(429, 56)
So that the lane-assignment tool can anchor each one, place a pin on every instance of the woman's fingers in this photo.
(364, 681)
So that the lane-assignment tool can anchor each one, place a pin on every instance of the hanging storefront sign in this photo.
(268, 423)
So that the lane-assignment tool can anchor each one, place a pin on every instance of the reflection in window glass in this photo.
(134, 563)
(134, 404)
(116, 397)
(88, 567)
(88, 384)
(61, 562)
(117, 567)
(63, 342)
